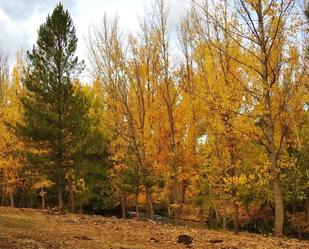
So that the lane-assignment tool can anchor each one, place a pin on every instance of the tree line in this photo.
(215, 123)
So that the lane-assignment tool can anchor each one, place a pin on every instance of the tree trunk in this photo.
(43, 198)
(307, 211)
(150, 208)
(274, 169)
(269, 126)
(43, 202)
(12, 204)
(137, 206)
(72, 200)
(31, 200)
(2, 198)
(236, 218)
(183, 190)
(217, 217)
(168, 203)
(123, 205)
(224, 215)
(60, 198)
(176, 198)
(279, 208)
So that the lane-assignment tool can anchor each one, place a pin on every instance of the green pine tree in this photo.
(55, 109)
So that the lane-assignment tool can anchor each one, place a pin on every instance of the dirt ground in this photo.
(34, 229)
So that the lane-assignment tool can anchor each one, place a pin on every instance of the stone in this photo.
(185, 239)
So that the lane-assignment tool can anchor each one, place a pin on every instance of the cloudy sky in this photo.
(20, 19)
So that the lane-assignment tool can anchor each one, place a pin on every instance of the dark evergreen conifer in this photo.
(55, 118)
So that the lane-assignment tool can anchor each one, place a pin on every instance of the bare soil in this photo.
(35, 229)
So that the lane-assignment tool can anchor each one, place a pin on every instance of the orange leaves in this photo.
(11, 146)
(42, 183)
(213, 117)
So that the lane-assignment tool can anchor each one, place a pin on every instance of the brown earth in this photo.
(34, 229)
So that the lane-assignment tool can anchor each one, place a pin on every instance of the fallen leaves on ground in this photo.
(34, 229)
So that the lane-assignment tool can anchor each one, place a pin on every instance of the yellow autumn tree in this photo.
(11, 146)
(265, 34)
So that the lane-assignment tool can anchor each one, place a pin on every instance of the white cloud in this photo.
(21, 19)
(11, 35)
